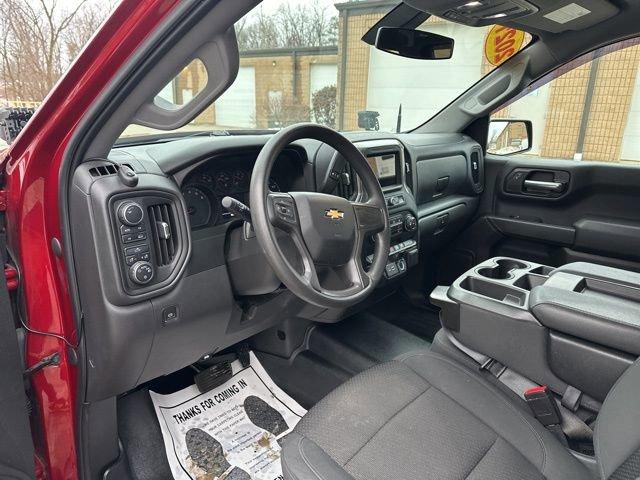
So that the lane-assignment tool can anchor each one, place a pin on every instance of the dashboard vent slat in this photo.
(163, 232)
(106, 170)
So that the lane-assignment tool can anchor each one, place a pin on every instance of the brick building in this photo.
(273, 87)
(575, 116)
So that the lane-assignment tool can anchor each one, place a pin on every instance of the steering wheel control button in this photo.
(285, 210)
(369, 218)
(130, 213)
(141, 273)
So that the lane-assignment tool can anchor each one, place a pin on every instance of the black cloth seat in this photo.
(424, 416)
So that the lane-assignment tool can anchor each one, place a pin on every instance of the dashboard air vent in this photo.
(106, 170)
(164, 234)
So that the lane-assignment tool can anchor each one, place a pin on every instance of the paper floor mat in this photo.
(231, 432)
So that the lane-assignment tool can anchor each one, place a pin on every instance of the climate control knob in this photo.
(130, 213)
(410, 223)
(141, 273)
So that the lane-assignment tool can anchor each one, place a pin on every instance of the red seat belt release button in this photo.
(542, 404)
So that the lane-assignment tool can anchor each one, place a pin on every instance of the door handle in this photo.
(546, 186)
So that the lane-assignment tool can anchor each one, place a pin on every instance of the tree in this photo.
(282, 111)
(323, 106)
(291, 25)
(83, 25)
(38, 41)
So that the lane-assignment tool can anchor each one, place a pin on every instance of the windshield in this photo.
(304, 61)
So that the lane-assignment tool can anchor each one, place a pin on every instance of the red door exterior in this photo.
(32, 167)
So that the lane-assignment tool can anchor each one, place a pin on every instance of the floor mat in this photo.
(230, 432)
(422, 321)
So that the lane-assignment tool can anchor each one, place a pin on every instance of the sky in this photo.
(270, 5)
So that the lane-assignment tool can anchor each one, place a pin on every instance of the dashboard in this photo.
(230, 175)
(166, 269)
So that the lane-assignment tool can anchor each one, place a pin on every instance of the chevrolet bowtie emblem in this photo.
(334, 214)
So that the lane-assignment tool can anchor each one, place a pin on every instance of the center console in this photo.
(403, 252)
(387, 160)
(577, 325)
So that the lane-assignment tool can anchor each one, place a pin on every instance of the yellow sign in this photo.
(334, 214)
(502, 43)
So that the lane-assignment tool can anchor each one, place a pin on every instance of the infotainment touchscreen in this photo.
(386, 168)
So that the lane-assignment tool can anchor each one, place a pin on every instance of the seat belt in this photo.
(512, 380)
(572, 426)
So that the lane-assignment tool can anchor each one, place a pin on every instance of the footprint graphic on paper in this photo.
(264, 415)
(207, 453)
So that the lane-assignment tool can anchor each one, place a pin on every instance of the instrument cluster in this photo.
(205, 187)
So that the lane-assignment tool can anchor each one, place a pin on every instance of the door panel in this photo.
(16, 446)
(594, 216)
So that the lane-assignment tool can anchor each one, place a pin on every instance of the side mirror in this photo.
(508, 137)
(410, 43)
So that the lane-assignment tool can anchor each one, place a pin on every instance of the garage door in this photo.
(322, 75)
(237, 106)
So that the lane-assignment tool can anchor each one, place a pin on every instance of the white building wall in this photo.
(423, 87)
(237, 106)
(631, 140)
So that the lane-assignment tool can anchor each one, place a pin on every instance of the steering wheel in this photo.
(327, 230)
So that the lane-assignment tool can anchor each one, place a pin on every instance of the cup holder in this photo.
(502, 270)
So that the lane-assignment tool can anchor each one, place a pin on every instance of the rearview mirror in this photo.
(508, 137)
(410, 43)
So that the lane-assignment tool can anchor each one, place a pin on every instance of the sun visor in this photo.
(553, 16)
(220, 61)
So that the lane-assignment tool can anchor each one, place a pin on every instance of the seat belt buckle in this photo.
(542, 404)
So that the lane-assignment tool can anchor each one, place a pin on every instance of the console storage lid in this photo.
(592, 302)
